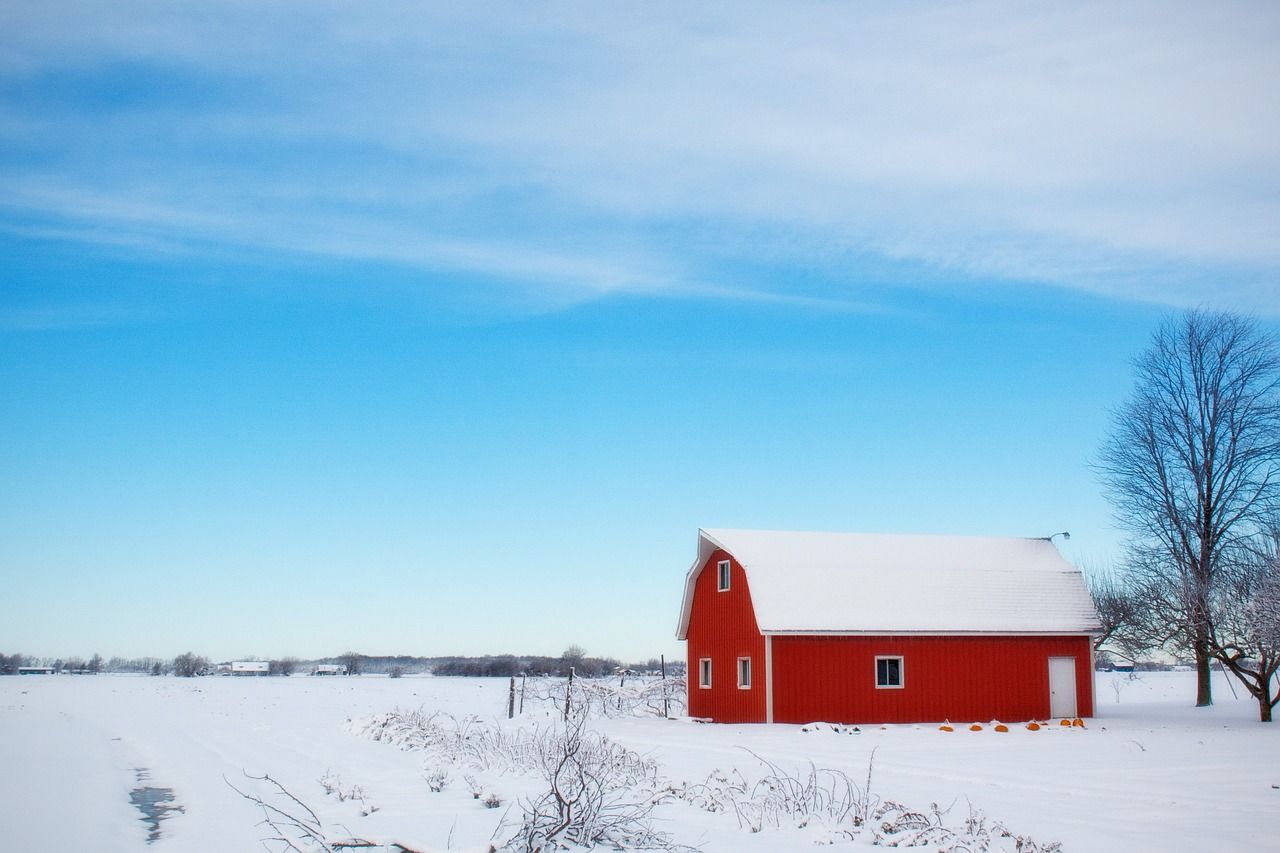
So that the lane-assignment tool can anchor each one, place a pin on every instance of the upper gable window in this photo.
(722, 576)
(888, 672)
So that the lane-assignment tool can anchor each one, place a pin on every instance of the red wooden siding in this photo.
(722, 626)
(958, 678)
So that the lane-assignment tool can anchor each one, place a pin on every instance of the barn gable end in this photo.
(723, 630)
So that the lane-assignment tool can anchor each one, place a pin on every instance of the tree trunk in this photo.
(1264, 709)
(1204, 690)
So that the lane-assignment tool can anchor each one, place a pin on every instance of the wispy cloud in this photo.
(44, 318)
(587, 149)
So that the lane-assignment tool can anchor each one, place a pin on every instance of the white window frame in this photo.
(902, 673)
(744, 685)
(724, 573)
(704, 669)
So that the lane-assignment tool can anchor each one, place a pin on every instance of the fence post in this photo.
(568, 693)
(511, 699)
(524, 678)
(666, 689)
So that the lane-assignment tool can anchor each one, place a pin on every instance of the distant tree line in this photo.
(574, 658)
(10, 664)
(190, 665)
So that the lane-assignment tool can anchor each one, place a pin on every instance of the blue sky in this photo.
(442, 330)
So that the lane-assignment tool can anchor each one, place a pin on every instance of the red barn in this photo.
(870, 628)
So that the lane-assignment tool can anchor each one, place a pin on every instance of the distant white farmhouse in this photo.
(330, 669)
(250, 667)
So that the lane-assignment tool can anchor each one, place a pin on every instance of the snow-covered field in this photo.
(1150, 773)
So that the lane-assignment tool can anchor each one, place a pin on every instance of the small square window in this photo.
(889, 672)
(744, 673)
(704, 673)
(722, 576)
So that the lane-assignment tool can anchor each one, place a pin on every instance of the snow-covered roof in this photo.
(889, 583)
(250, 666)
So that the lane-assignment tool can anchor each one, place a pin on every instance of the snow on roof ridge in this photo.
(824, 581)
(870, 534)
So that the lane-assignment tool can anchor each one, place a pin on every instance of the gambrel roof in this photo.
(816, 583)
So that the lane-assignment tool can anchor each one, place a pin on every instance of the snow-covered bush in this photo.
(332, 785)
(610, 697)
(599, 793)
(818, 797)
(842, 809)
(292, 825)
(895, 825)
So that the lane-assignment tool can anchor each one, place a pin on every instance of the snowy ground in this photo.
(1150, 773)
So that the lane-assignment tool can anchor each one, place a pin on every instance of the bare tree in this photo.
(353, 662)
(572, 658)
(283, 666)
(1125, 632)
(1191, 465)
(1246, 622)
(188, 665)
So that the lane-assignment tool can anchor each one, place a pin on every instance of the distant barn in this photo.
(870, 628)
(250, 667)
(330, 669)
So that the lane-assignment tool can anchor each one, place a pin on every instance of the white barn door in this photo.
(1062, 687)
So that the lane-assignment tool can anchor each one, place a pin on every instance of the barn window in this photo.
(704, 673)
(744, 673)
(722, 576)
(888, 672)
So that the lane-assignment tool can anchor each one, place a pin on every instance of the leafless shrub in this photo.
(599, 793)
(291, 825)
(609, 697)
(473, 785)
(450, 740)
(898, 826)
(332, 784)
(437, 779)
(1120, 682)
(830, 799)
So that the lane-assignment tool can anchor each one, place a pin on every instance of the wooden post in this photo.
(622, 682)
(666, 699)
(568, 692)
(524, 678)
(511, 699)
